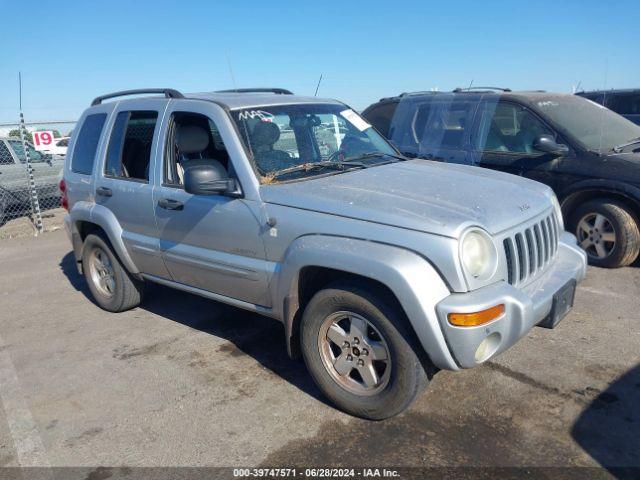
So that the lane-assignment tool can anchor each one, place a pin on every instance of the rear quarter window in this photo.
(435, 124)
(84, 153)
(627, 104)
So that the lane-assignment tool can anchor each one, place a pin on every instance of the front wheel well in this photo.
(574, 200)
(312, 279)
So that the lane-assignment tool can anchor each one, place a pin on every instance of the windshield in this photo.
(438, 126)
(595, 127)
(34, 155)
(289, 141)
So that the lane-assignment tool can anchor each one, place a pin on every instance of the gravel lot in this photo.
(22, 226)
(187, 381)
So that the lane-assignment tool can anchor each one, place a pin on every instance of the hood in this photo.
(421, 195)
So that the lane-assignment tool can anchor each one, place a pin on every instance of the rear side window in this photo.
(129, 152)
(442, 124)
(84, 153)
(5, 155)
(380, 116)
(625, 104)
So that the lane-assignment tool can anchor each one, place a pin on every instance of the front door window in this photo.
(509, 128)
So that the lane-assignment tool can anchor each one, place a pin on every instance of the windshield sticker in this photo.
(354, 119)
(261, 114)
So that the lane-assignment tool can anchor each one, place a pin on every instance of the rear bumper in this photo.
(524, 308)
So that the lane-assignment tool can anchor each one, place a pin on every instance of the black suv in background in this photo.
(625, 102)
(588, 154)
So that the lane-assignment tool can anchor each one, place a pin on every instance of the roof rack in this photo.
(420, 92)
(168, 93)
(609, 90)
(277, 91)
(471, 89)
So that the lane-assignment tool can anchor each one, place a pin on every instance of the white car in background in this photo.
(59, 147)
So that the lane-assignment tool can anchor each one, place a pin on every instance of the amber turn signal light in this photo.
(476, 318)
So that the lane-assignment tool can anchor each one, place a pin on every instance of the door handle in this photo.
(170, 204)
(104, 192)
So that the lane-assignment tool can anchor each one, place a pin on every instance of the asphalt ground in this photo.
(184, 381)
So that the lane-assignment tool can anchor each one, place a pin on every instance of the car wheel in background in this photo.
(112, 286)
(360, 352)
(607, 231)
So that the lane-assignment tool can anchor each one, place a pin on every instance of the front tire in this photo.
(361, 352)
(112, 286)
(607, 231)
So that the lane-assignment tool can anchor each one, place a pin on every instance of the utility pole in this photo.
(35, 204)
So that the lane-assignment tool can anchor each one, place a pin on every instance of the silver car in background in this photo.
(15, 192)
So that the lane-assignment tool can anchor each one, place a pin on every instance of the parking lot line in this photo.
(24, 431)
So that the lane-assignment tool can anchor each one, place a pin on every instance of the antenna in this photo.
(604, 102)
(577, 87)
(318, 86)
(233, 78)
(471, 84)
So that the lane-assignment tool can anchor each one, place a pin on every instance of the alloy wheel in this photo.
(101, 272)
(596, 235)
(354, 353)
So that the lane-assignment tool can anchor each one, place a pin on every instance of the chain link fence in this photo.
(24, 191)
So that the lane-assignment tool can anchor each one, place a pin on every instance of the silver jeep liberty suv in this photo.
(383, 270)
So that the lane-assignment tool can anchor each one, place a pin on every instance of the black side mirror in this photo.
(209, 178)
(547, 144)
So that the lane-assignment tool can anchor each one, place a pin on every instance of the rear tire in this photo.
(368, 335)
(112, 286)
(607, 230)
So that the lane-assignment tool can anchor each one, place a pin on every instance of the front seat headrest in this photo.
(192, 139)
(265, 133)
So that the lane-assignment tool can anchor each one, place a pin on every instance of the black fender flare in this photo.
(602, 187)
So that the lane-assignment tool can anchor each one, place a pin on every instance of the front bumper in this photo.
(524, 308)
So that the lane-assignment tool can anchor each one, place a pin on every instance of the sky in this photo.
(72, 51)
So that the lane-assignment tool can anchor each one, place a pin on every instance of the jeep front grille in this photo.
(530, 250)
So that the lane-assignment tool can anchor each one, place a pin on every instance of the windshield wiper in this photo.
(364, 156)
(424, 156)
(305, 167)
(351, 162)
(619, 148)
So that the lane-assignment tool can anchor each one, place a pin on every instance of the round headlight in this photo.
(478, 254)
